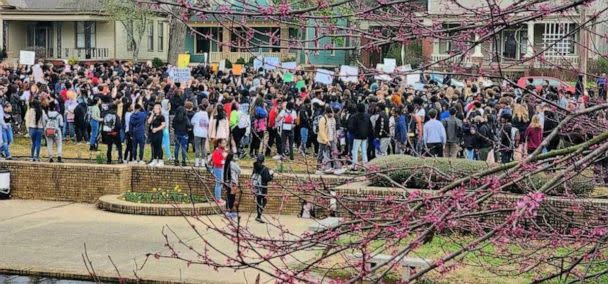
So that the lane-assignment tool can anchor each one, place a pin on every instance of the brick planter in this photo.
(112, 203)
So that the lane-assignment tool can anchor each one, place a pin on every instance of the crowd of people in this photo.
(128, 106)
(223, 118)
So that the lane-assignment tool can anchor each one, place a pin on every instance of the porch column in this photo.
(226, 40)
(2, 35)
(530, 44)
(477, 50)
(284, 40)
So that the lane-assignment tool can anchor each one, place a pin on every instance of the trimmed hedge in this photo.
(433, 173)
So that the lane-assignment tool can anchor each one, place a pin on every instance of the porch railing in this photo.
(447, 58)
(549, 61)
(86, 53)
(215, 57)
(41, 51)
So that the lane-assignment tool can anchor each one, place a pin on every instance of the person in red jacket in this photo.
(534, 134)
(218, 159)
(273, 131)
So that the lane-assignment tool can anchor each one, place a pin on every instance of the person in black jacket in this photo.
(181, 124)
(110, 133)
(261, 176)
(80, 122)
(360, 126)
(382, 130)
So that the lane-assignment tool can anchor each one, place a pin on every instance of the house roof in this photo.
(51, 6)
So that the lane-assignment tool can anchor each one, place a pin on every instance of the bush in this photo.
(241, 61)
(159, 196)
(432, 173)
(251, 59)
(228, 64)
(599, 66)
(157, 63)
(72, 60)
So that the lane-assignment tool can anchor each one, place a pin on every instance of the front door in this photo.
(39, 39)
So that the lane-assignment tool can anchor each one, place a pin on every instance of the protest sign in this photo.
(27, 57)
(324, 76)
(258, 63)
(349, 73)
(271, 63)
(223, 65)
(181, 75)
(289, 66)
(389, 65)
(300, 84)
(214, 67)
(237, 69)
(413, 78)
(183, 59)
(287, 77)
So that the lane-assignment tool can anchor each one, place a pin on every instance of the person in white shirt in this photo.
(200, 127)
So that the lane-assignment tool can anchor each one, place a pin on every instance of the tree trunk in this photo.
(177, 35)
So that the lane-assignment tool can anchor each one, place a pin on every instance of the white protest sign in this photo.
(349, 74)
(181, 75)
(289, 66)
(27, 57)
(324, 76)
(413, 78)
(389, 65)
(404, 68)
(258, 63)
(271, 63)
(222, 65)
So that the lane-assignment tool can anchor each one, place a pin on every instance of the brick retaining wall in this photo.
(88, 182)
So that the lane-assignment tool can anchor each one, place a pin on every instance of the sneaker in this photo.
(221, 202)
(339, 171)
(59, 160)
(318, 172)
(184, 164)
(50, 160)
(328, 171)
(196, 163)
(153, 163)
(277, 157)
(259, 220)
(176, 163)
(142, 162)
(160, 163)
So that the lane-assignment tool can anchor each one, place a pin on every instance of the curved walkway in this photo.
(47, 239)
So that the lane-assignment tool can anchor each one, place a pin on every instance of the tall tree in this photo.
(177, 32)
(133, 17)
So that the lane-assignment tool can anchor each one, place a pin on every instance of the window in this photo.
(454, 41)
(151, 36)
(336, 42)
(266, 40)
(85, 34)
(161, 36)
(208, 39)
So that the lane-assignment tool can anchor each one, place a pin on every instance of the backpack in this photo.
(259, 125)
(315, 124)
(52, 127)
(514, 138)
(109, 124)
(243, 121)
(256, 182)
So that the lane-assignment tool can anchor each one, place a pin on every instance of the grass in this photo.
(474, 267)
(73, 152)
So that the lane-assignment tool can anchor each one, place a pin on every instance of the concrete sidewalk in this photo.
(49, 237)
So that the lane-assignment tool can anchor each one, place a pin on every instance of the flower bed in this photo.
(161, 196)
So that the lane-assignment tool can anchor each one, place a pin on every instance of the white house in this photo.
(73, 29)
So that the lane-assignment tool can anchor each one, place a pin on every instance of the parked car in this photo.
(538, 82)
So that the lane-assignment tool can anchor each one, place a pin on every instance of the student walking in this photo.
(260, 177)
(53, 123)
(232, 171)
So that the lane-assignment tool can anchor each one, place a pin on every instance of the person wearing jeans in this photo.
(218, 159)
(137, 129)
(200, 127)
(34, 123)
(304, 123)
(181, 125)
(52, 119)
(360, 126)
(95, 120)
